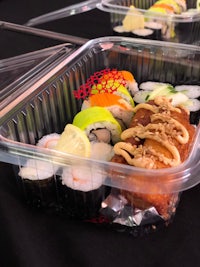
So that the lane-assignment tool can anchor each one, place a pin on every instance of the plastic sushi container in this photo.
(165, 20)
(28, 55)
(88, 188)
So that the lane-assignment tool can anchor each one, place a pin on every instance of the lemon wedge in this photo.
(73, 140)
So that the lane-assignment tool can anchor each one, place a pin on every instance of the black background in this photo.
(30, 238)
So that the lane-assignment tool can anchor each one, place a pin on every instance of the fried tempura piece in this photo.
(159, 136)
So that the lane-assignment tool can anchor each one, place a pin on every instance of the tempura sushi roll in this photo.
(98, 124)
(186, 95)
(160, 136)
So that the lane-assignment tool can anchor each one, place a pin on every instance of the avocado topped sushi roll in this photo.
(94, 119)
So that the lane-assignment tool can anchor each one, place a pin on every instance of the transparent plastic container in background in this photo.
(179, 28)
(49, 104)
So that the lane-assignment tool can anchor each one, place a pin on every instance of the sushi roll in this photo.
(170, 5)
(81, 187)
(143, 33)
(121, 110)
(99, 125)
(83, 191)
(39, 184)
(182, 4)
(38, 178)
(115, 81)
(143, 146)
(156, 13)
(49, 141)
(119, 30)
(193, 102)
(156, 27)
(108, 81)
(186, 95)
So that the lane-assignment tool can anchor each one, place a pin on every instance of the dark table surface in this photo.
(31, 238)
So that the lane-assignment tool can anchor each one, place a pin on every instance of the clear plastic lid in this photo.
(25, 53)
(122, 7)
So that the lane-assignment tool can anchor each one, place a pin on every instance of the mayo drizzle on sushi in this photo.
(155, 109)
(162, 129)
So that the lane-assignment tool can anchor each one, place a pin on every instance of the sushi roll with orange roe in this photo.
(121, 110)
(123, 77)
(108, 81)
(165, 8)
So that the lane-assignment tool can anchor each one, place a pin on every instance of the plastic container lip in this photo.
(181, 177)
(13, 27)
(71, 10)
(111, 7)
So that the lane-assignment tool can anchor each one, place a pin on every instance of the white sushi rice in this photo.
(49, 141)
(178, 99)
(153, 25)
(101, 151)
(193, 105)
(150, 85)
(114, 129)
(121, 114)
(143, 32)
(82, 178)
(119, 29)
(140, 96)
(37, 170)
(192, 91)
(132, 87)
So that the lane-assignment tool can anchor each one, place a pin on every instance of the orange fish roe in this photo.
(128, 76)
(106, 100)
(164, 6)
